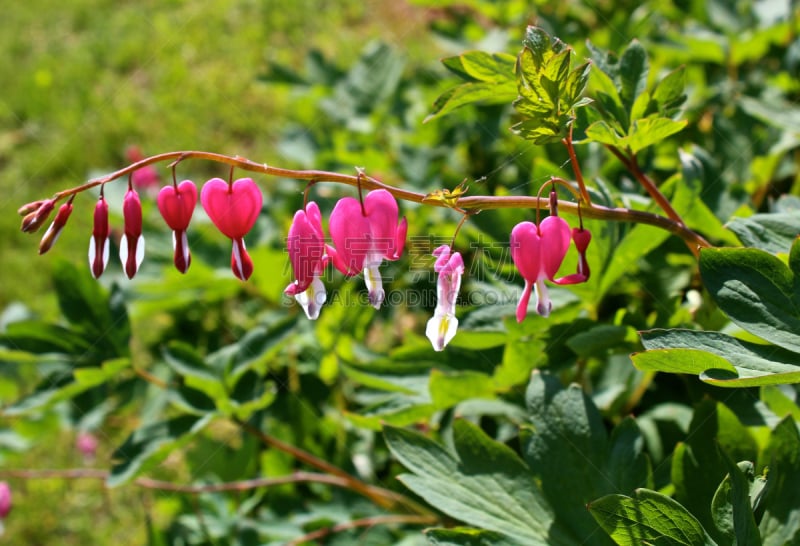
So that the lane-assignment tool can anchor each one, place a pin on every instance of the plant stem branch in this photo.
(576, 167)
(672, 223)
(385, 498)
(364, 522)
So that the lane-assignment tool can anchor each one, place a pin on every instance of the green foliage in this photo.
(225, 417)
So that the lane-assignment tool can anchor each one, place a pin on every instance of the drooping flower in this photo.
(234, 209)
(98, 244)
(176, 204)
(307, 253)
(443, 324)
(51, 235)
(538, 252)
(131, 246)
(364, 237)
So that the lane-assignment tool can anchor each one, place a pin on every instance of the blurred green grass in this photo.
(85, 79)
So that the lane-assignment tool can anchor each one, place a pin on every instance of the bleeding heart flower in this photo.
(306, 246)
(131, 246)
(234, 209)
(443, 324)
(363, 238)
(98, 244)
(176, 204)
(5, 500)
(537, 252)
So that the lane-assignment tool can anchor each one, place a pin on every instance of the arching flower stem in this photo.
(693, 240)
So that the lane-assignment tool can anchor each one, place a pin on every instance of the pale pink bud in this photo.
(34, 220)
(87, 443)
(51, 235)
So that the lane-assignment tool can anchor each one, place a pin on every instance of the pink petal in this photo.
(526, 251)
(351, 235)
(381, 208)
(555, 239)
(233, 208)
(522, 306)
(177, 205)
(306, 247)
(98, 245)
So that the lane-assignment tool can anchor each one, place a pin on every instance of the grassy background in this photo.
(85, 79)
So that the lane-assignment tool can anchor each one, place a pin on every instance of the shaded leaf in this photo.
(648, 518)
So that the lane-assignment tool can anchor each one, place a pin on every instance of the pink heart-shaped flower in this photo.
(233, 208)
(177, 204)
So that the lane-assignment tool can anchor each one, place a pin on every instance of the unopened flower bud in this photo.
(5, 499)
(582, 238)
(131, 247)
(98, 244)
(34, 220)
(28, 208)
(51, 235)
(86, 442)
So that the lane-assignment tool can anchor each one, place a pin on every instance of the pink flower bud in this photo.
(131, 247)
(51, 235)
(5, 499)
(34, 220)
(28, 208)
(86, 443)
(98, 244)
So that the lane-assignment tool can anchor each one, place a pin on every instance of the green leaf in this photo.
(780, 524)
(601, 131)
(65, 386)
(449, 388)
(84, 303)
(717, 358)
(774, 232)
(636, 244)
(149, 445)
(648, 131)
(490, 80)
(730, 507)
(756, 290)
(467, 537)
(698, 464)
(633, 70)
(571, 454)
(648, 518)
(484, 483)
(668, 93)
(196, 373)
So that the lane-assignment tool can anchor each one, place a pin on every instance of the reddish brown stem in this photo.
(576, 167)
(673, 224)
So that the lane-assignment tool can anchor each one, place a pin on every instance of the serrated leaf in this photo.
(601, 132)
(468, 93)
(648, 518)
(648, 131)
(484, 483)
(757, 291)
(717, 358)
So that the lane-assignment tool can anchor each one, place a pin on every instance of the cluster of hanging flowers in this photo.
(364, 232)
